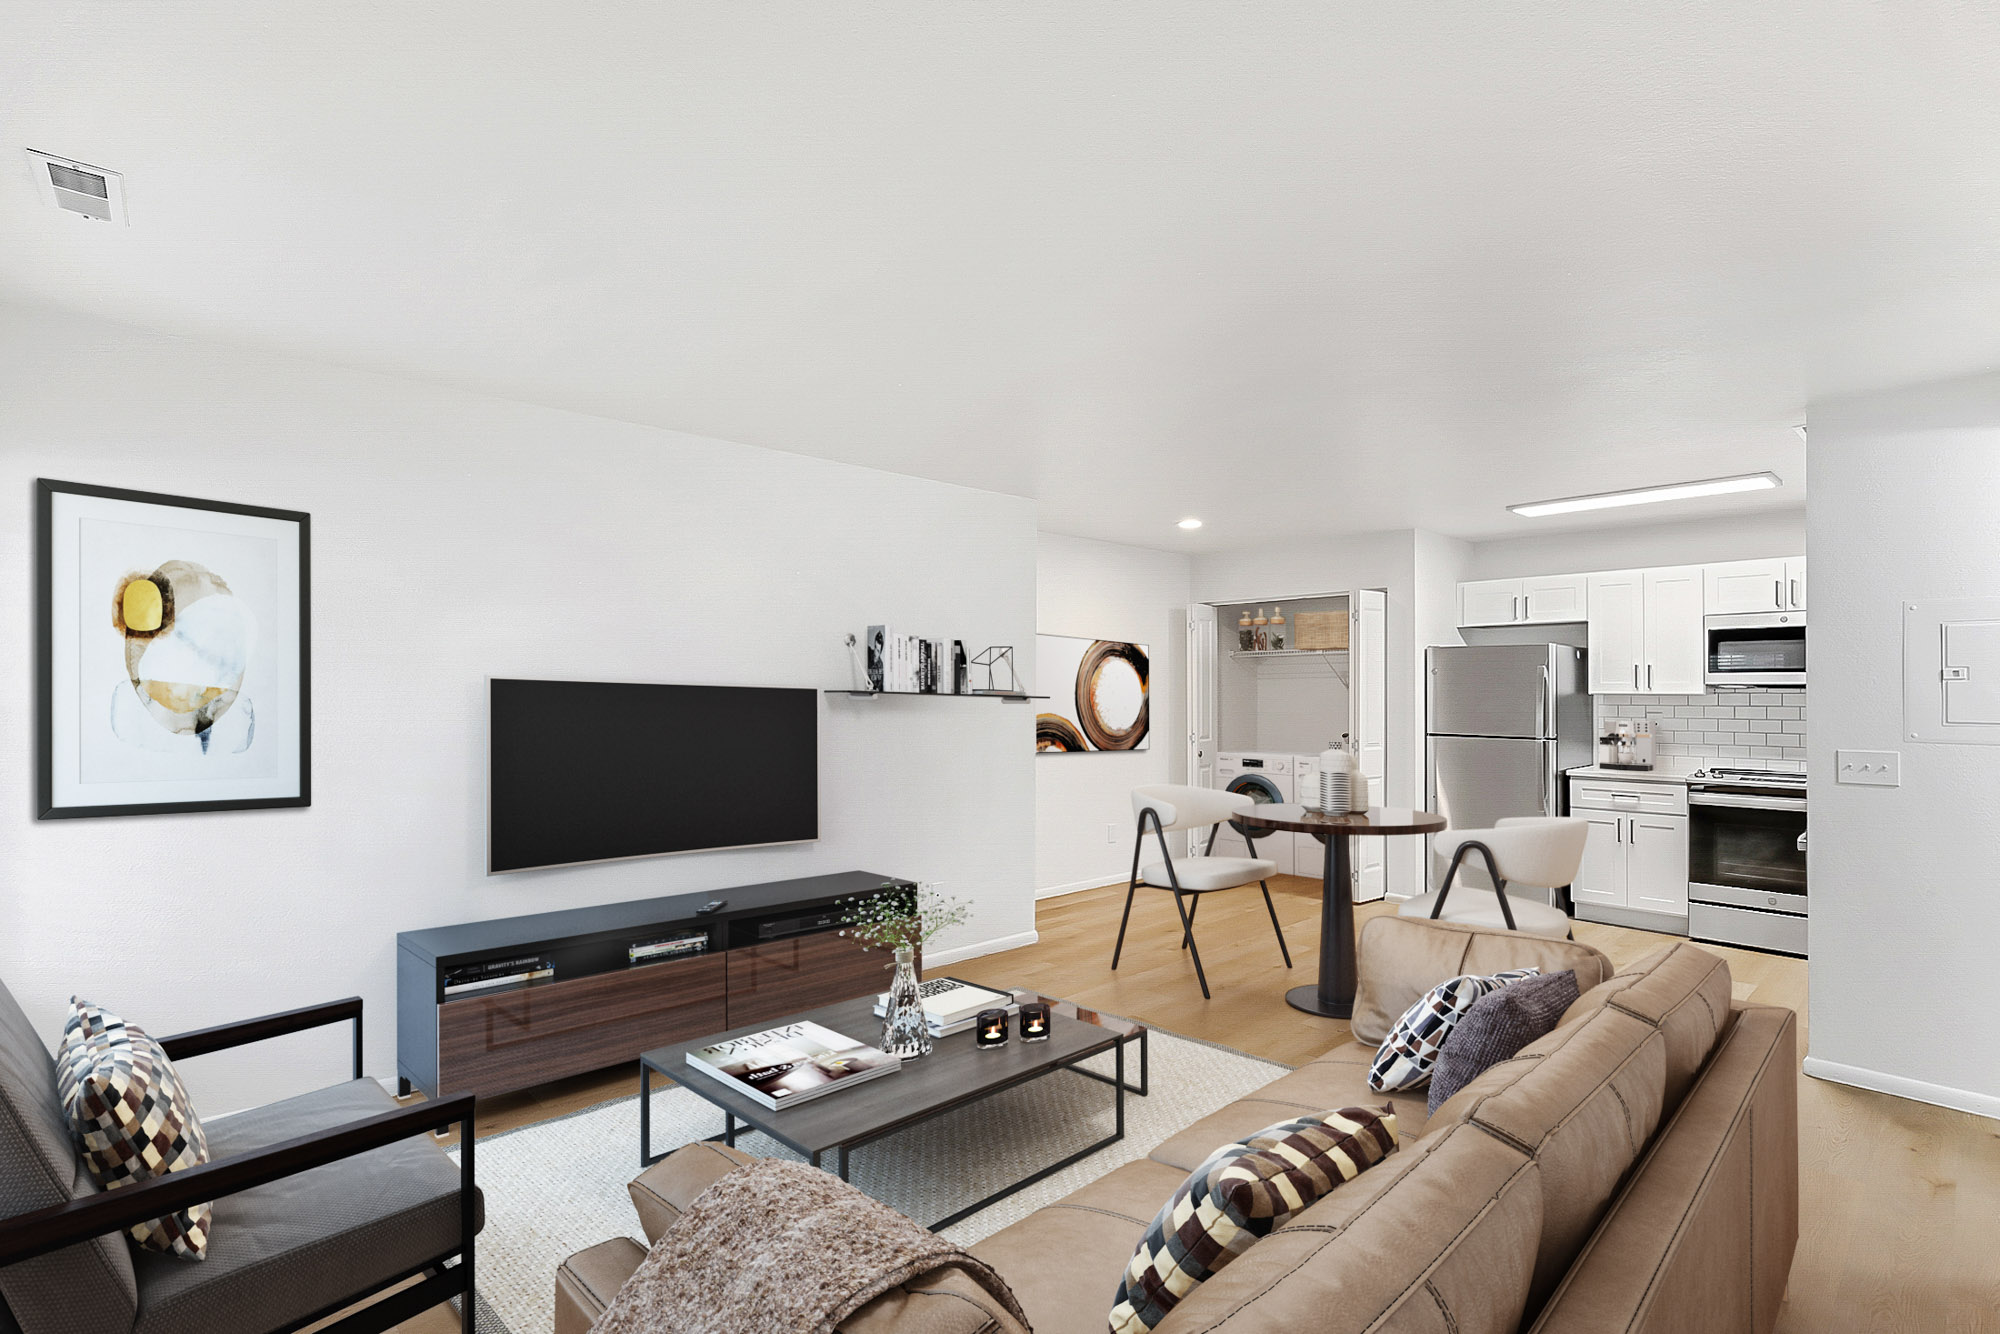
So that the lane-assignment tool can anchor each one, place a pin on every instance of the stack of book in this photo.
(492, 974)
(913, 665)
(795, 1063)
(950, 1005)
(678, 946)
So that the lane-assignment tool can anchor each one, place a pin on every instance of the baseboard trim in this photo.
(1078, 886)
(1916, 1090)
(960, 953)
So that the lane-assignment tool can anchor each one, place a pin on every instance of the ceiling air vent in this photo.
(91, 192)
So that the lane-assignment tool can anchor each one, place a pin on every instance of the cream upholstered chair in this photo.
(1529, 850)
(1168, 806)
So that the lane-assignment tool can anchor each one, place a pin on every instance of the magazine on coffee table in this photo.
(950, 1004)
(794, 1063)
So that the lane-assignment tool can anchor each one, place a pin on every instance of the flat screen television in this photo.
(596, 771)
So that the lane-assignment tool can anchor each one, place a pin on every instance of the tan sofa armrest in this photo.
(661, 1191)
(1401, 958)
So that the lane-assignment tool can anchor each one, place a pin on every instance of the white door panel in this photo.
(1555, 598)
(1617, 631)
(1200, 702)
(1601, 878)
(1676, 647)
(1744, 586)
(1657, 861)
(1368, 722)
(1489, 602)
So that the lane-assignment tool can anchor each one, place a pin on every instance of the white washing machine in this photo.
(1264, 777)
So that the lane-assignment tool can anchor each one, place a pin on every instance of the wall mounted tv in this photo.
(595, 771)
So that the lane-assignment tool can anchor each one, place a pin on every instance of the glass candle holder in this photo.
(1035, 1021)
(989, 1029)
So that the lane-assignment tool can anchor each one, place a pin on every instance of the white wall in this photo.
(458, 537)
(1905, 914)
(1101, 590)
(1626, 545)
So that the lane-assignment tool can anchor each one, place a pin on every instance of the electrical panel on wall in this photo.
(79, 188)
(1951, 671)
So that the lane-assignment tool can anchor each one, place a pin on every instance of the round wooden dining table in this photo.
(1333, 995)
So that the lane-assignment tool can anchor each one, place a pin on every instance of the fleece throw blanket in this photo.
(777, 1247)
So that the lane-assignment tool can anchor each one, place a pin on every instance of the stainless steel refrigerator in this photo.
(1501, 723)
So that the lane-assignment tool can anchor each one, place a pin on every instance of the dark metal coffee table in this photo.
(954, 1074)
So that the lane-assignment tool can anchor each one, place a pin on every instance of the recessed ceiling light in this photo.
(1648, 495)
(1190, 524)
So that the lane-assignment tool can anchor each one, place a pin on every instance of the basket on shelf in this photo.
(1319, 630)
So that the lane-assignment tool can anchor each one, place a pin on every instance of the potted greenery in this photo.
(903, 923)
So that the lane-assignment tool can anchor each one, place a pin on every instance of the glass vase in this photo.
(904, 1030)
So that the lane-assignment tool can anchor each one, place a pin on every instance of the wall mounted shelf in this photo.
(1336, 658)
(927, 694)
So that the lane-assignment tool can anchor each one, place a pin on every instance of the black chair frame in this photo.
(1499, 882)
(1181, 905)
(25, 1236)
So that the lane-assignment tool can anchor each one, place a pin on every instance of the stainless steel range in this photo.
(1747, 858)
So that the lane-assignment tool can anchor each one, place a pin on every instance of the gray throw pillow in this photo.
(1499, 1024)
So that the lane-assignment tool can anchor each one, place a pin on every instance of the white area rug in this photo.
(554, 1188)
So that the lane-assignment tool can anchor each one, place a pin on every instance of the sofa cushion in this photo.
(1064, 1261)
(1243, 1191)
(588, 1280)
(1337, 1079)
(1440, 1237)
(1412, 1047)
(306, 1242)
(1684, 991)
(1583, 1102)
(1497, 1026)
(1403, 957)
(664, 1190)
(132, 1117)
(87, 1288)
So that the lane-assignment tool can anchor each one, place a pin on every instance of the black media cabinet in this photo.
(773, 949)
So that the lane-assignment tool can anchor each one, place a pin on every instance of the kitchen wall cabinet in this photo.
(1645, 632)
(1544, 599)
(1755, 585)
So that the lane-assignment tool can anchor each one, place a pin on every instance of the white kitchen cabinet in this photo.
(1656, 863)
(1546, 598)
(1601, 878)
(1645, 632)
(1755, 585)
(1490, 602)
(1617, 632)
(1556, 597)
(1676, 645)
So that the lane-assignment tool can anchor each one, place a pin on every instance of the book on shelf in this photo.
(464, 979)
(791, 1064)
(951, 1004)
(877, 656)
(681, 946)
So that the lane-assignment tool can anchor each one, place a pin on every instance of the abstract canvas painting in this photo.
(1097, 694)
(174, 664)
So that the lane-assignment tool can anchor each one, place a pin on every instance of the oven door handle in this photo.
(1748, 803)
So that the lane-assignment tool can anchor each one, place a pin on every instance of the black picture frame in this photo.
(45, 804)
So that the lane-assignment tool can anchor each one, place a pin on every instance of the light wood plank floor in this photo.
(1900, 1202)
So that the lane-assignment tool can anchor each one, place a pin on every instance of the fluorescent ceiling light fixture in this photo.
(1648, 495)
(1190, 524)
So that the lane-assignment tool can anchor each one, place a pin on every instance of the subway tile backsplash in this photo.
(1732, 724)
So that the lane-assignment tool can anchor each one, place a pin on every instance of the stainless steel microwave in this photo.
(1766, 649)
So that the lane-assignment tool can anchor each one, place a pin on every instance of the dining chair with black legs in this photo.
(1166, 808)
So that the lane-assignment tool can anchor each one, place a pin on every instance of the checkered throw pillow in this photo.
(1242, 1192)
(1411, 1049)
(131, 1118)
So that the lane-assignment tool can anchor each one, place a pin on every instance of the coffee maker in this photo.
(1625, 744)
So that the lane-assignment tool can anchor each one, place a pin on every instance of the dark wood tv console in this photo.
(773, 949)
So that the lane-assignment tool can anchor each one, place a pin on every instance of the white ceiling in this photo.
(1306, 268)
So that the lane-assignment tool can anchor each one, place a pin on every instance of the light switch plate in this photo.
(1875, 768)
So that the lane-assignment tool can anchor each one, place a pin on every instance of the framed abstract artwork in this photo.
(173, 654)
(1097, 694)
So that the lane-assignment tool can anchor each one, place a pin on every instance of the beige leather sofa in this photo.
(1636, 1170)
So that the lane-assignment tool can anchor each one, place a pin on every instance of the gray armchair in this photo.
(321, 1202)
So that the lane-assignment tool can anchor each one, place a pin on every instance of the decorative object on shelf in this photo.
(1324, 630)
(989, 1030)
(1035, 1021)
(173, 656)
(1277, 630)
(998, 662)
(903, 923)
(1246, 638)
(1109, 707)
(858, 666)
(1260, 626)
(959, 683)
